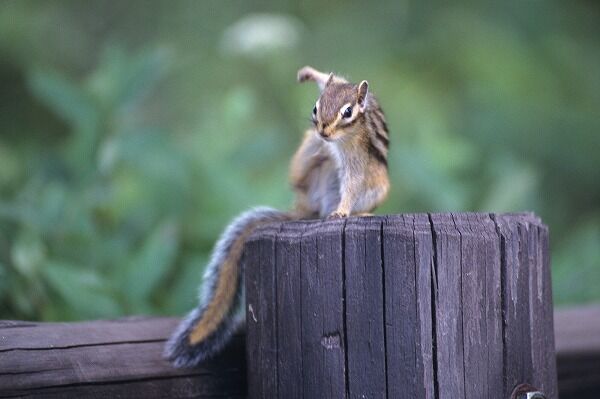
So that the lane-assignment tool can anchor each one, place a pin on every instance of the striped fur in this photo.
(206, 329)
(377, 132)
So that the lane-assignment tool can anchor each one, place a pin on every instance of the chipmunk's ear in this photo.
(363, 90)
(329, 80)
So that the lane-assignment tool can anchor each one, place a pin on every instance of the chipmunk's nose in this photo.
(325, 130)
(321, 129)
(324, 133)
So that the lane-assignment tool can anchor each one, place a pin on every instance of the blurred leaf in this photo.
(64, 97)
(582, 249)
(50, 206)
(75, 106)
(10, 167)
(182, 295)
(28, 253)
(82, 289)
(151, 263)
(435, 188)
(151, 154)
(22, 297)
(122, 80)
(3, 282)
(514, 184)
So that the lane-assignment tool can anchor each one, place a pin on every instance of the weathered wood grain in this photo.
(400, 280)
(450, 378)
(481, 297)
(261, 312)
(549, 380)
(516, 325)
(424, 262)
(527, 303)
(323, 360)
(364, 293)
(109, 359)
(490, 257)
(408, 259)
(312, 319)
(289, 310)
(416, 306)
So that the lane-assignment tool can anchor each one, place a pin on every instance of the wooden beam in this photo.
(120, 358)
(578, 351)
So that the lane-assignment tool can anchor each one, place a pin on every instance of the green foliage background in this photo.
(131, 132)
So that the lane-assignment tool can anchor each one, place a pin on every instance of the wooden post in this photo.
(427, 306)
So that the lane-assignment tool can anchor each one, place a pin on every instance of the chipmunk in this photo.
(340, 169)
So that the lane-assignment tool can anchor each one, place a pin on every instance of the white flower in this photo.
(257, 34)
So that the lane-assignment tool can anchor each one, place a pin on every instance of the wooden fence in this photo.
(121, 358)
(404, 306)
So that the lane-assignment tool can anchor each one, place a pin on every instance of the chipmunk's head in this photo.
(339, 107)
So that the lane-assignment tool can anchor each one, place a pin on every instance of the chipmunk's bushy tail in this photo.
(207, 328)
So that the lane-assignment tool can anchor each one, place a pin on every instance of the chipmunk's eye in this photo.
(315, 110)
(347, 112)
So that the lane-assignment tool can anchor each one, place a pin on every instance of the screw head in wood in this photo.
(526, 391)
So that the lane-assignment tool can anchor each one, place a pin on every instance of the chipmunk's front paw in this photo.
(306, 73)
(337, 215)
